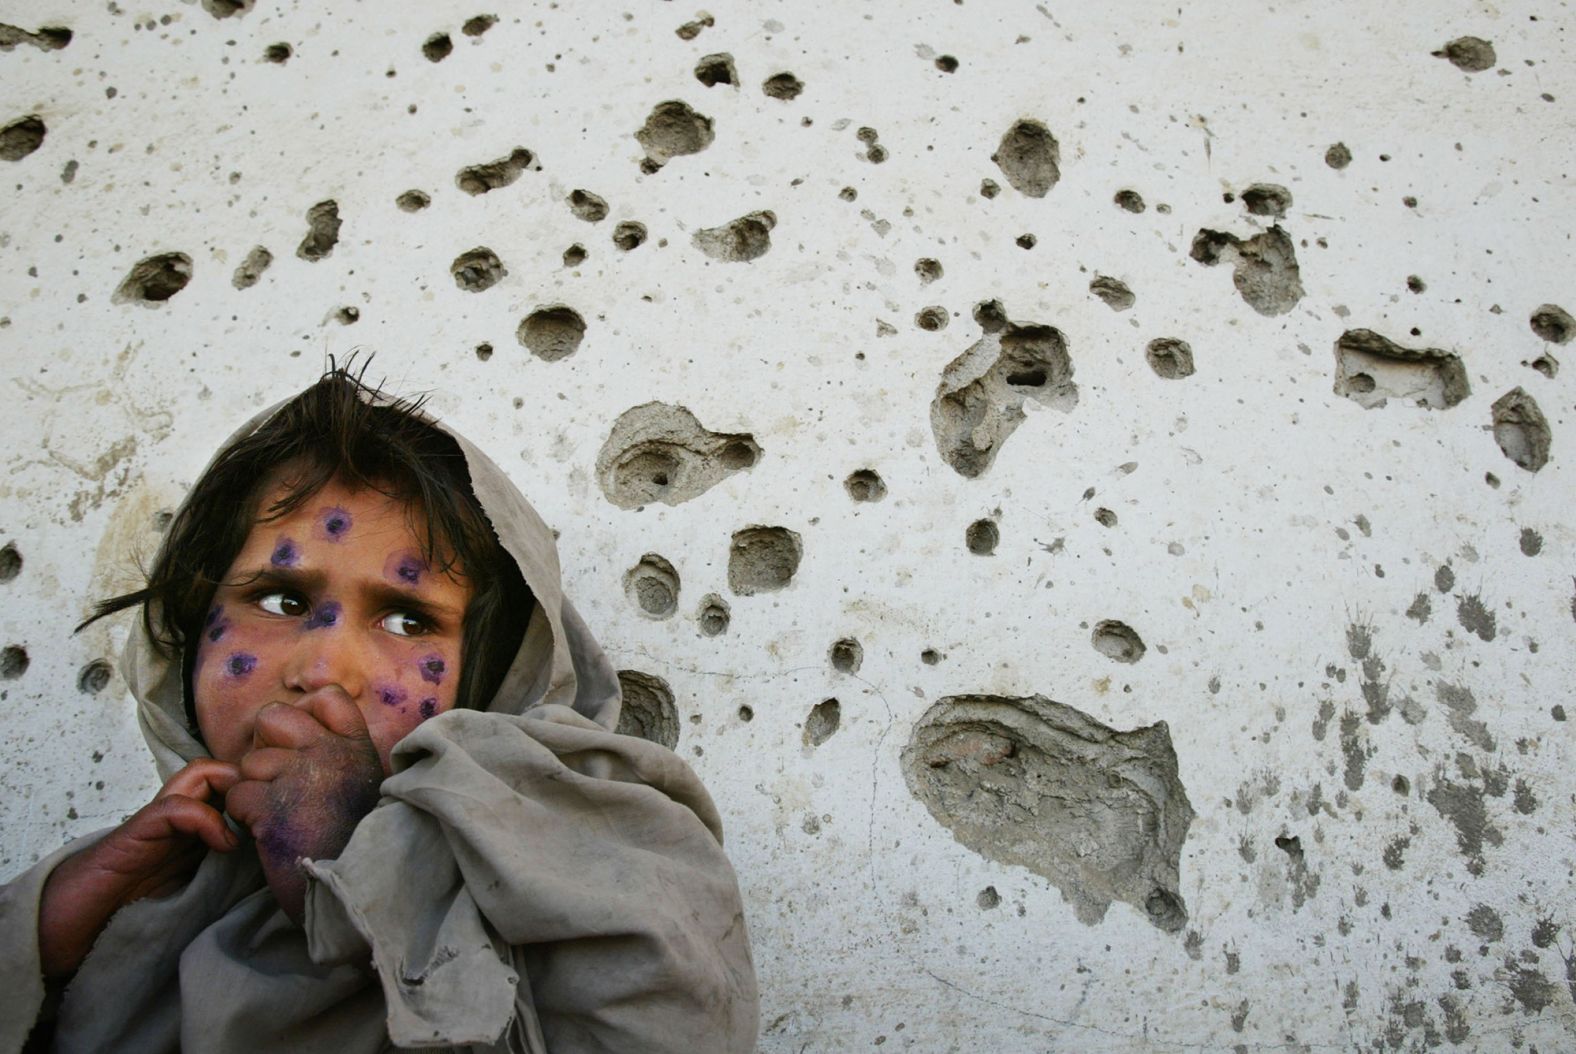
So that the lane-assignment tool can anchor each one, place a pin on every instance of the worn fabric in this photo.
(530, 881)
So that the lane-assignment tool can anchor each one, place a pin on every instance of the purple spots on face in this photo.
(429, 706)
(406, 568)
(432, 667)
(215, 624)
(390, 695)
(240, 664)
(286, 554)
(327, 614)
(333, 523)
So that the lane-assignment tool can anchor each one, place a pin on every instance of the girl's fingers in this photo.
(168, 821)
(202, 779)
(266, 763)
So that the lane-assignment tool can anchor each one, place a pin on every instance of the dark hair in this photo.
(339, 428)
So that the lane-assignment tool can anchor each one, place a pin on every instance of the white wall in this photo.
(1266, 515)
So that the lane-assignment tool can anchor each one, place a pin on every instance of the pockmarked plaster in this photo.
(1085, 484)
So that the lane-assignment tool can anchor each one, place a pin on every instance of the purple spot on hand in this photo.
(286, 554)
(432, 667)
(429, 706)
(240, 664)
(327, 614)
(334, 523)
(390, 695)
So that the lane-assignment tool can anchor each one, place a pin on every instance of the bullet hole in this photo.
(1026, 241)
(1115, 293)
(10, 562)
(68, 174)
(824, 719)
(1547, 365)
(846, 655)
(848, 193)
(865, 485)
(437, 47)
(1338, 156)
(673, 129)
(989, 188)
(979, 402)
(93, 677)
(1101, 813)
(784, 86)
(1117, 641)
(552, 333)
(946, 64)
(629, 234)
(982, 537)
(763, 559)
(21, 137)
(659, 452)
(277, 53)
(479, 269)
(155, 279)
(484, 351)
(1267, 199)
(1105, 517)
(875, 153)
(575, 255)
(226, 8)
(250, 271)
(1370, 370)
(1468, 54)
(322, 231)
(691, 30)
(652, 585)
(931, 319)
(1291, 845)
(13, 662)
(928, 269)
(988, 899)
(587, 206)
(479, 179)
(48, 38)
(713, 70)
(1415, 284)
(348, 315)
(478, 24)
(739, 241)
(648, 711)
(1553, 324)
(1170, 358)
(746, 713)
(714, 617)
(1028, 157)
(1265, 268)
(1401, 785)
(1521, 430)
(1130, 200)
(415, 200)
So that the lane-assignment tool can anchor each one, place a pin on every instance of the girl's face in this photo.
(334, 597)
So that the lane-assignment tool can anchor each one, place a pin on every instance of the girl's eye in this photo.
(282, 604)
(404, 624)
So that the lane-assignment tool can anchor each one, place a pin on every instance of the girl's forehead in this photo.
(336, 523)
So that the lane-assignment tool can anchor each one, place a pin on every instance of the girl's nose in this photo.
(327, 653)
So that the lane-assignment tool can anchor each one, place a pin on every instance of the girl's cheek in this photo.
(417, 686)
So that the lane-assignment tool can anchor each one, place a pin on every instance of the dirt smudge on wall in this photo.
(1029, 781)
